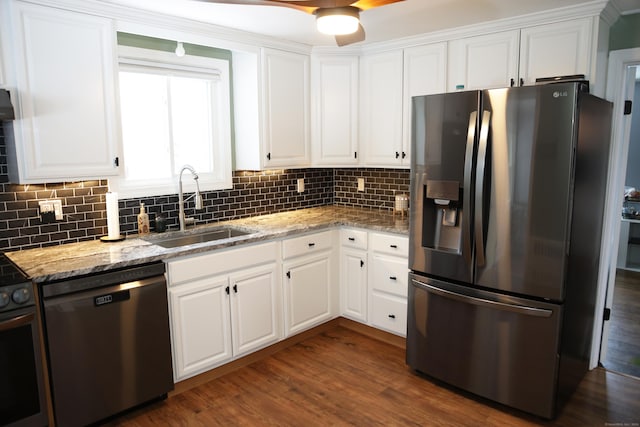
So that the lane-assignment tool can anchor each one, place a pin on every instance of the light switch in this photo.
(300, 185)
(360, 184)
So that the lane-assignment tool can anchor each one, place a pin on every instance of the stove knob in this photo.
(4, 299)
(20, 296)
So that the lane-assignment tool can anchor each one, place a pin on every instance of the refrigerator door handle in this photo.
(520, 309)
(466, 197)
(479, 208)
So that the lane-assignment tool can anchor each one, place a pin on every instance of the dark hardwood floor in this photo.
(623, 344)
(341, 377)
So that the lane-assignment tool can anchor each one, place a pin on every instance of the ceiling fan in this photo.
(340, 18)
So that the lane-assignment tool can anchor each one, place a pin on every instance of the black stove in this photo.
(15, 287)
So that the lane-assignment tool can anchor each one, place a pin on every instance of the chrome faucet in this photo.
(184, 221)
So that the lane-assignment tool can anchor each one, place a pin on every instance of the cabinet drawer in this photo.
(219, 261)
(307, 244)
(389, 313)
(353, 238)
(390, 244)
(389, 274)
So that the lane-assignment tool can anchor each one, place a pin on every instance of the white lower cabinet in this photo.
(227, 303)
(223, 305)
(388, 282)
(353, 274)
(307, 281)
(374, 277)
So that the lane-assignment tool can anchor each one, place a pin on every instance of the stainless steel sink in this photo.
(208, 235)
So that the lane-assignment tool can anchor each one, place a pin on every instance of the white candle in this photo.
(113, 217)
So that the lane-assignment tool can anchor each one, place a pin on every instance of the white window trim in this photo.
(186, 65)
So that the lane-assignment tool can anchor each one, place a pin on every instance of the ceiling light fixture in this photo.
(338, 20)
(180, 49)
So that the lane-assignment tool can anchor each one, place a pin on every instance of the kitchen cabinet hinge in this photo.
(288, 275)
(268, 156)
(607, 313)
(404, 155)
(628, 104)
(361, 263)
(397, 155)
(235, 289)
(116, 162)
(226, 290)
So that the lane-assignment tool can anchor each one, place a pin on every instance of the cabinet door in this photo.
(425, 73)
(354, 284)
(335, 112)
(307, 292)
(381, 109)
(484, 62)
(65, 66)
(286, 112)
(200, 326)
(559, 49)
(254, 308)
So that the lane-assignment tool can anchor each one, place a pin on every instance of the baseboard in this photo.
(189, 383)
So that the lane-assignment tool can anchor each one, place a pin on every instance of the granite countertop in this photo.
(77, 259)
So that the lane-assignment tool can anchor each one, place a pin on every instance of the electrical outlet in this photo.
(360, 184)
(51, 210)
(300, 185)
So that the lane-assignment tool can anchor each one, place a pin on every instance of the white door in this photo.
(335, 112)
(425, 73)
(484, 62)
(65, 69)
(254, 308)
(559, 49)
(622, 70)
(307, 295)
(381, 109)
(200, 326)
(354, 284)
(286, 113)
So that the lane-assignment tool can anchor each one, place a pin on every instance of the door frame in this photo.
(618, 90)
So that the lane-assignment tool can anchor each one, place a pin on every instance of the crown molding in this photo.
(590, 9)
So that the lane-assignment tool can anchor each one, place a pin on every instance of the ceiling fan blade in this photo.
(370, 4)
(294, 5)
(356, 37)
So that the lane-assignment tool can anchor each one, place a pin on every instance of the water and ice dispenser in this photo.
(442, 213)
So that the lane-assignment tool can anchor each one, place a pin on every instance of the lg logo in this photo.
(557, 94)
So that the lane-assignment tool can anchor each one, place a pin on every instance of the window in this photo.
(174, 111)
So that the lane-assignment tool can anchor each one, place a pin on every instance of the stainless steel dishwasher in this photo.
(108, 342)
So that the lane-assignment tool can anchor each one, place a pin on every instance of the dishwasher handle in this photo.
(106, 296)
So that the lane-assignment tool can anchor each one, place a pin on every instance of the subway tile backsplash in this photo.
(253, 193)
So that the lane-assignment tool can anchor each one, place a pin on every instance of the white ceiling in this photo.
(402, 19)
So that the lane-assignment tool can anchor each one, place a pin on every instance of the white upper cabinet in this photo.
(66, 125)
(558, 49)
(484, 62)
(381, 108)
(519, 57)
(335, 110)
(286, 97)
(271, 109)
(425, 73)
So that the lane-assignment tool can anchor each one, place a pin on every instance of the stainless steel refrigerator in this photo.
(507, 200)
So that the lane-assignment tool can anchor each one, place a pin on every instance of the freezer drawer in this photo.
(499, 347)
